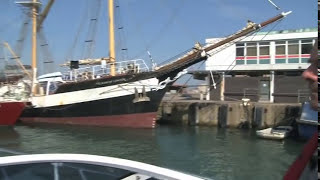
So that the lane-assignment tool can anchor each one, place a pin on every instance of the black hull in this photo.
(120, 111)
(106, 107)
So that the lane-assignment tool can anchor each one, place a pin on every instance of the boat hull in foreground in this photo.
(82, 166)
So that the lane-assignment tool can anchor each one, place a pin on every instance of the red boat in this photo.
(10, 111)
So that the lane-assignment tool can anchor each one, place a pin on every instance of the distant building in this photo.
(266, 67)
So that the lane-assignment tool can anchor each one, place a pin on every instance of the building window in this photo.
(251, 53)
(251, 49)
(286, 51)
(293, 51)
(306, 46)
(240, 53)
(293, 47)
(281, 52)
(264, 52)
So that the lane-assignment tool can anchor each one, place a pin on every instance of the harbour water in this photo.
(222, 154)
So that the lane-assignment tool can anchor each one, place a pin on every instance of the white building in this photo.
(266, 66)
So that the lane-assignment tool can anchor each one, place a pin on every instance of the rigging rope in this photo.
(18, 48)
(159, 35)
(47, 58)
(70, 52)
(91, 34)
(121, 46)
(184, 28)
(138, 26)
(232, 64)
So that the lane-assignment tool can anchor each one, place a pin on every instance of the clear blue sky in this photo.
(164, 27)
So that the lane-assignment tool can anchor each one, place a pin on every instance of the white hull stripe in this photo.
(95, 93)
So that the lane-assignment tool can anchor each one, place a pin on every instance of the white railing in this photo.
(97, 71)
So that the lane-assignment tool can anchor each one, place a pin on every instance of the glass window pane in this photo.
(240, 52)
(293, 42)
(92, 172)
(306, 41)
(280, 42)
(293, 49)
(264, 50)
(280, 61)
(304, 60)
(293, 60)
(306, 48)
(251, 44)
(252, 51)
(264, 43)
(264, 61)
(240, 44)
(240, 62)
(280, 50)
(39, 171)
(251, 61)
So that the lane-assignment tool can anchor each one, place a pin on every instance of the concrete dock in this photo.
(234, 114)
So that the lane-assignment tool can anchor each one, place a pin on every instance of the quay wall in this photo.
(227, 113)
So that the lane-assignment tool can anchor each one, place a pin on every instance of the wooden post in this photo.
(222, 86)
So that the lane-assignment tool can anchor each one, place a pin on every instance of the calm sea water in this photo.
(222, 154)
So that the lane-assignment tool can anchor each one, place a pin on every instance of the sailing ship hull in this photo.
(121, 111)
(10, 112)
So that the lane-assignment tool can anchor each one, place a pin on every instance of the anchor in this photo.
(140, 97)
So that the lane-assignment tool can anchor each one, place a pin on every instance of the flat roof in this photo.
(289, 31)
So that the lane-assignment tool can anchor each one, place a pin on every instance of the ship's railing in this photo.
(97, 71)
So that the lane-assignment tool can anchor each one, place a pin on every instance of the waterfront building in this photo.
(264, 67)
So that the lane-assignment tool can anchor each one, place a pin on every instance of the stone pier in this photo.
(227, 113)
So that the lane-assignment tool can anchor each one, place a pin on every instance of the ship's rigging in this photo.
(47, 63)
(111, 94)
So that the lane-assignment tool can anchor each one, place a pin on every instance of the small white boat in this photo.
(277, 133)
(83, 167)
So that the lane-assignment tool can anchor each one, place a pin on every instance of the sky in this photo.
(165, 28)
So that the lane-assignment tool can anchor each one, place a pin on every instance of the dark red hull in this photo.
(139, 120)
(10, 112)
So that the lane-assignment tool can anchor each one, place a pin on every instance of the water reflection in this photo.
(9, 141)
(8, 135)
(178, 148)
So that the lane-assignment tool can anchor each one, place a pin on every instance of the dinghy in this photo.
(277, 133)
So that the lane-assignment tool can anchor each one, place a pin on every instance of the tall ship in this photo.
(111, 93)
(14, 89)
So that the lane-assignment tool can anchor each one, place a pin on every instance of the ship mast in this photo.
(34, 6)
(34, 46)
(112, 38)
